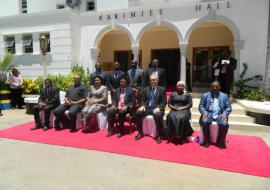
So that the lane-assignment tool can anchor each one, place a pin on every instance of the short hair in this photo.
(154, 75)
(215, 81)
(98, 77)
(123, 78)
(181, 83)
(48, 80)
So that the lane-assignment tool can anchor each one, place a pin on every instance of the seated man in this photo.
(153, 103)
(122, 102)
(215, 106)
(48, 100)
(74, 102)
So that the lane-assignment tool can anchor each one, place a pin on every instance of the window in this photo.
(90, 5)
(9, 44)
(24, 6)
(60, 6)
(49, 41)
(27, 43)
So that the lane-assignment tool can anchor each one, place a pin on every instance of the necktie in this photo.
(115, 74)
(133, 72)
(152, 97)
(215, 107)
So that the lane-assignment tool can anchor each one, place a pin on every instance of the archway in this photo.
(161, 42)
(114, 45)
(207, 41)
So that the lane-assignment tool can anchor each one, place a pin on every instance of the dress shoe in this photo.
(206, 145)
(139, 136)
(221, 146)
(159, 140)
(39, 126)
(73, 130)
(110, 133)
(119, 135)
(46, 128)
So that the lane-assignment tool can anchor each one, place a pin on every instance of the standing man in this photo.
(114, 78)
(98, 72)
(228, 65)
(122, 102)
(215, 106)
(153, 103)
(74, 102)
(135, 76)
(48, 100)
(154, 69)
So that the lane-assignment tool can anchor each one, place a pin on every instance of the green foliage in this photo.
(30, 87)
(244, 91)
(63, 82)
(5, 67)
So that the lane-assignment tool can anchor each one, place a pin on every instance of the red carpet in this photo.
(245, 154)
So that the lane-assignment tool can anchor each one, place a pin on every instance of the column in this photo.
(36, 45)
(94, 58)
(238, 45)
(136, 52)
(18, 44)
(183, 51)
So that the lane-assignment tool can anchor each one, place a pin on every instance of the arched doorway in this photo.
(208, 41)
(161, 42)
(114, 45)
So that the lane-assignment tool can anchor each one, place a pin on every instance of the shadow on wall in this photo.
(30, 59)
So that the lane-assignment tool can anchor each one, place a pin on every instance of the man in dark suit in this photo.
(226, 77)
(135, 76)
(98, 72)
(114, 78)
(215, 106)
(74, 101)
(48, 100)
(153, 103)
(154, 69)
(122, 102)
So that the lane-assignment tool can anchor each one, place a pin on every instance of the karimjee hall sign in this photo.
(159, 12)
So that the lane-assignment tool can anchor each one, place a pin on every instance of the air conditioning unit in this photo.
(72, 3)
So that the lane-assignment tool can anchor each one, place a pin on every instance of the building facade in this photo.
(174, 31)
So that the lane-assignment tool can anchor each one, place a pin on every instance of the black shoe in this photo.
(73, 130)
(37, 127)
(46, 128)
(1, 114)
(139, 136)
(159, 140)
(221, 146)
(110, 133)
(206, 145)
(119, 135)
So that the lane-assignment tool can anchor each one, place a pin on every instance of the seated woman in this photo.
(177, 120)
(97, 100)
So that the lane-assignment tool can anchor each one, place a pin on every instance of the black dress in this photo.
(178, 121)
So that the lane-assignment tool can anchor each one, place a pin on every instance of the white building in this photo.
(170, 30)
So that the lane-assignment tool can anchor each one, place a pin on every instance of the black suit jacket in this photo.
(129, 97)
(51, 98)
(103, 74)
(231, 67)
(161, 75)
(137, 80)
(112, 82)
(160, 97)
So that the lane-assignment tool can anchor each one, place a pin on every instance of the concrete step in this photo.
(240, 126)
(232, 118)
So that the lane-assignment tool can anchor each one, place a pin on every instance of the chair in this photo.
(213, 134)
(101, 121)
(149, 126)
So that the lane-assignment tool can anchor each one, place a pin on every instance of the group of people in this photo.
(139, 93)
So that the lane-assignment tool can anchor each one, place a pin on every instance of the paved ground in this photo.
(27, 166)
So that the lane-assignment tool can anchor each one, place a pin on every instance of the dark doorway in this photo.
(203, 60)
(169, 59)
(124, 58)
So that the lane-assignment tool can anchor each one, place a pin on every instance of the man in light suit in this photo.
(153, 103)
(215, 106)
(154, 69)
(48, 100)
(122, 102)
(98, 72)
